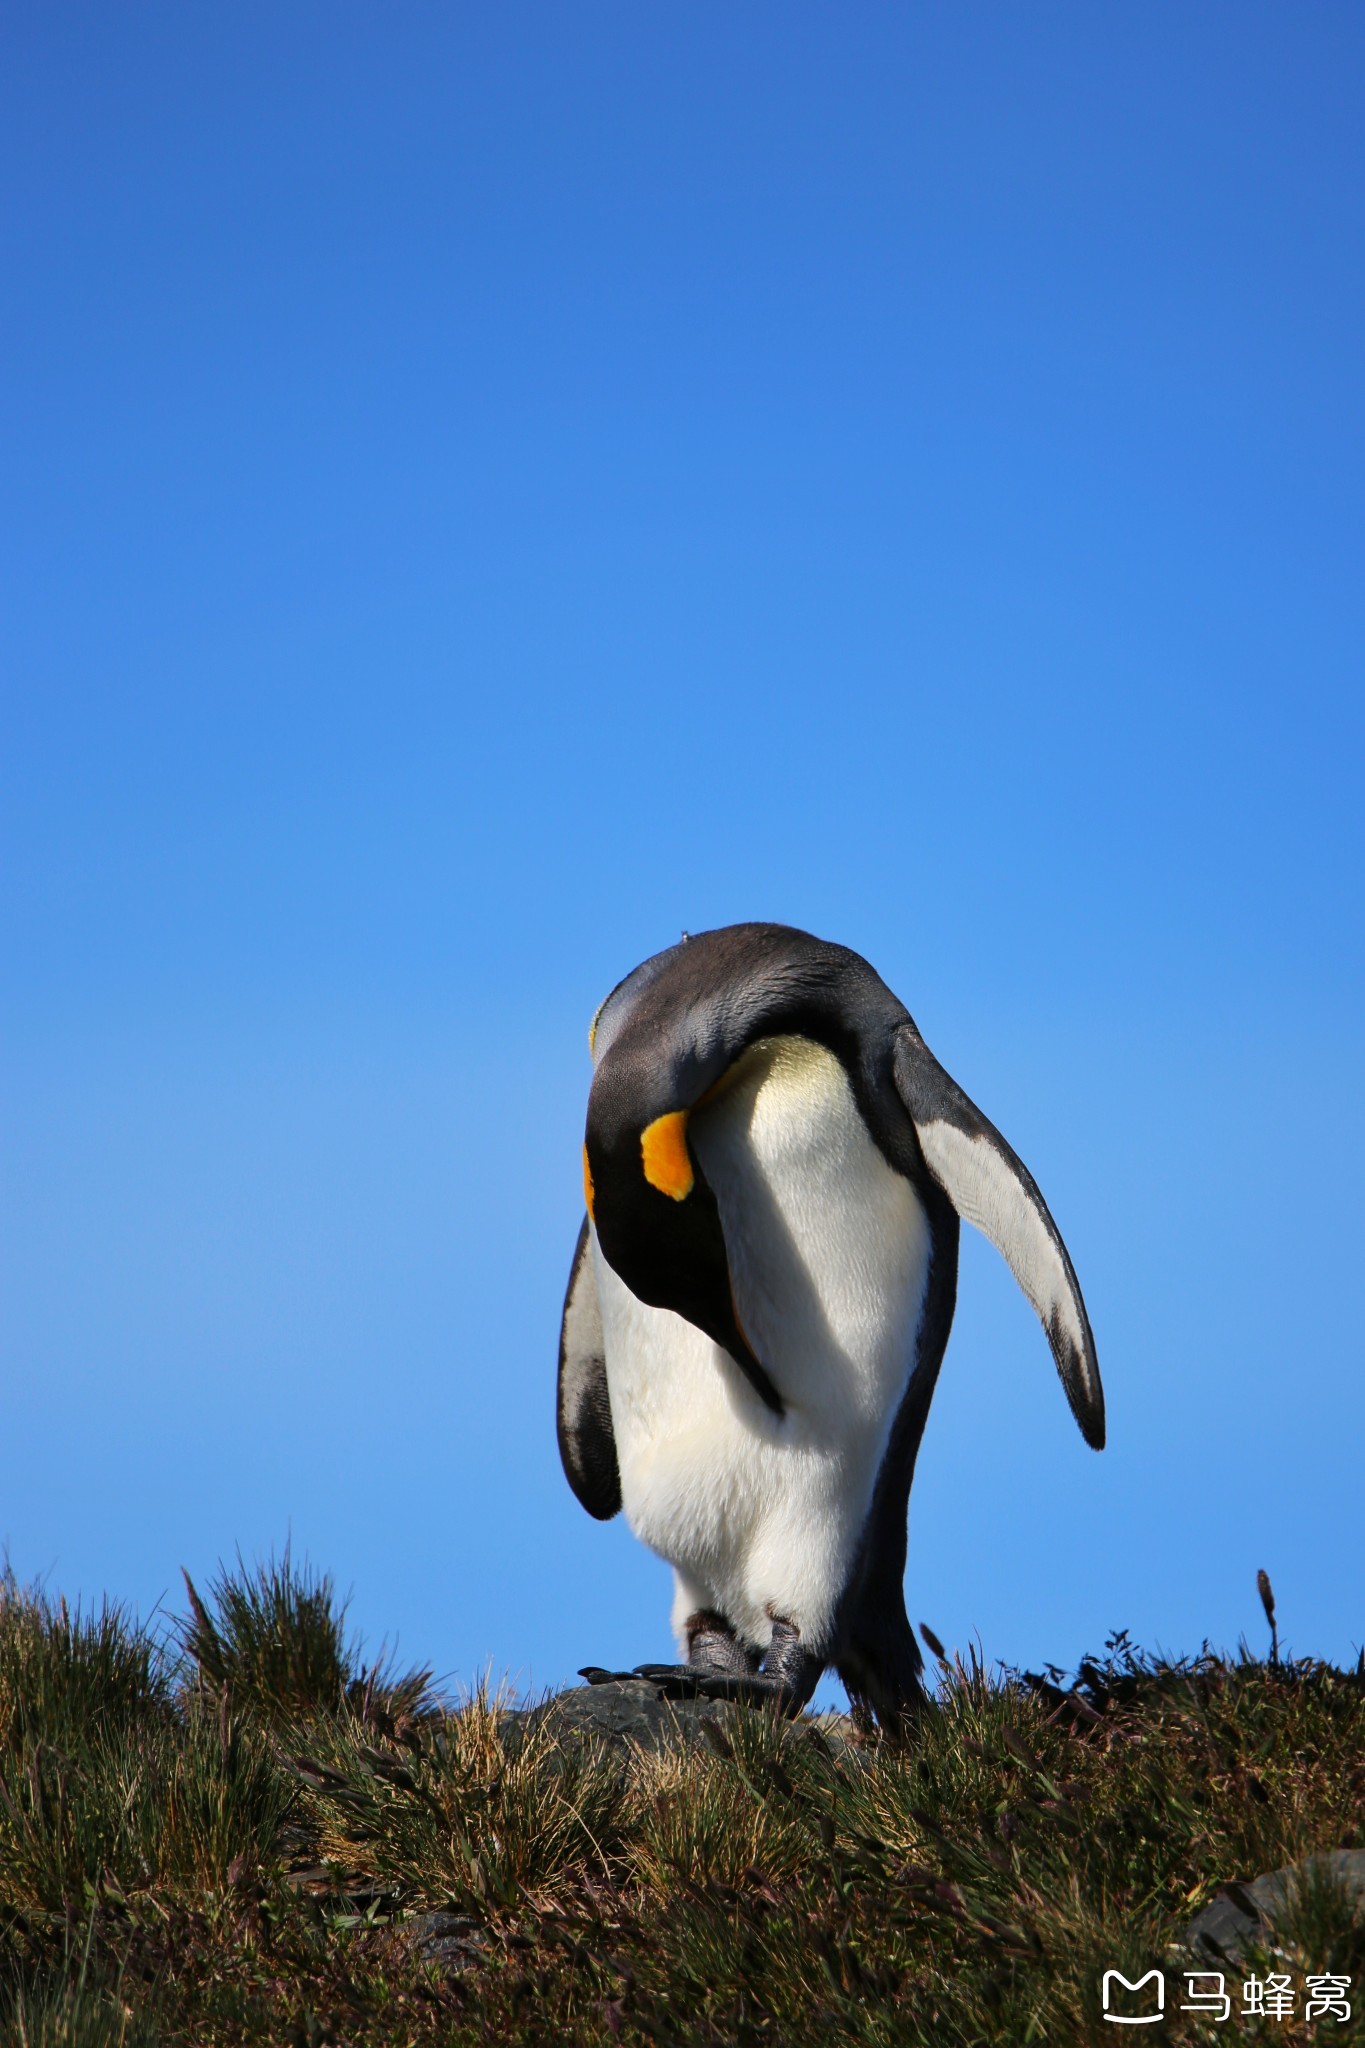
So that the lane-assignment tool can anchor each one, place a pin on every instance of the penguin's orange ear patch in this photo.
(667, 1161)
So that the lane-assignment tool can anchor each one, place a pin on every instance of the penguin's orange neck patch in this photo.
(587, 1186)
(667, 1162)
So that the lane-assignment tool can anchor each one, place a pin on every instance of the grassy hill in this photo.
(238, 1833)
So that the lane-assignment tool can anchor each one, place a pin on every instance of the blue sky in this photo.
(487, 489)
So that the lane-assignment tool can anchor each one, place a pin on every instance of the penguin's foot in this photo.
(724, 1668)
(684, 1682)
(786, 1678)
(789, 1668)
(713, 1647)
(720, 1666)
(681, 1681)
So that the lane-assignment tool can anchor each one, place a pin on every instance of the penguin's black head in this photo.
(661, 1042)
(657, 1047)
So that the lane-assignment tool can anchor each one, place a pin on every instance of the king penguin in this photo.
(775, 1166)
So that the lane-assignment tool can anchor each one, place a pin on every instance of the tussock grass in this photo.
(65, 1675)
(238, 1837)
(276, 1646)
(463, 1818)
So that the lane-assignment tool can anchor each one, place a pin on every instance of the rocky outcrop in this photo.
(1243, 1913)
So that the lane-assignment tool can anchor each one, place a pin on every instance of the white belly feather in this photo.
(829, 1254)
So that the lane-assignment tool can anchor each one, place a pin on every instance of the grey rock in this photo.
(447, 1939)
(630, 1711)
(635, 1713)
(1243, 1913)
(1224, 1928)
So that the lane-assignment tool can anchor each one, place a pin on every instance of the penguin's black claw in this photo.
(682, 1682)
(754, 1691)
(674, 1681)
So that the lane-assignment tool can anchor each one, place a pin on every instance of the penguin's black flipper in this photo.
(989, 1184)
(587, 1441)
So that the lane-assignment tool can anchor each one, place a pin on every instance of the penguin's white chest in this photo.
(829, 1255)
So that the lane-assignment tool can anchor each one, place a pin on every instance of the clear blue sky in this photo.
(487, 488)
